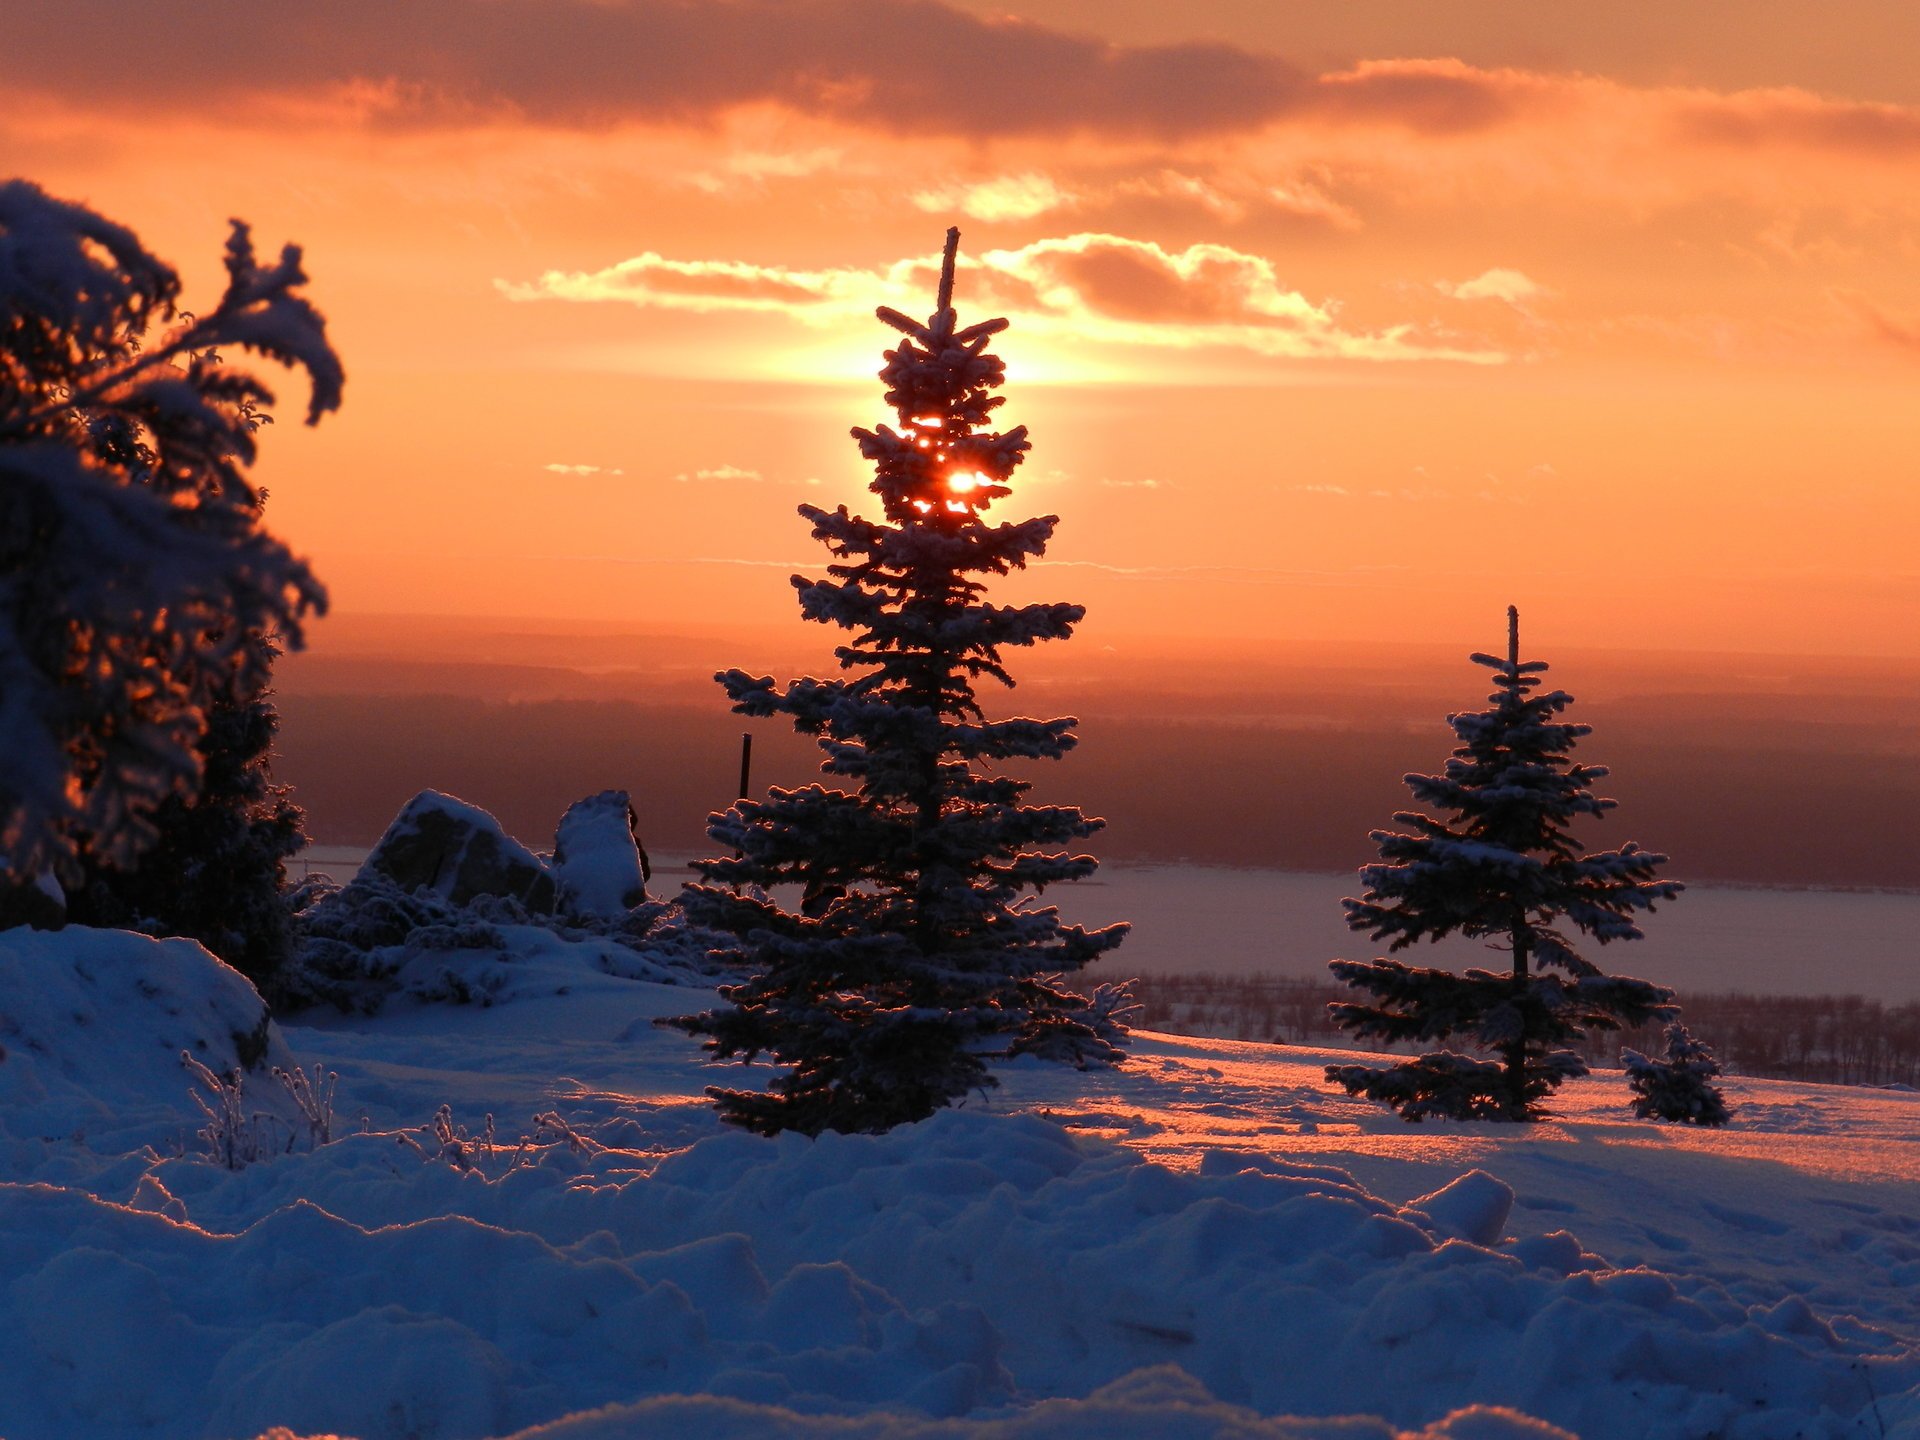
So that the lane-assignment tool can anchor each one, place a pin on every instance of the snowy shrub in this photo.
(443, 1141)
(135, 579)
(1679, 1087)
(237, 1138)
(912, 959)
(1504, 865)
(233, 1137)
(312, 1096)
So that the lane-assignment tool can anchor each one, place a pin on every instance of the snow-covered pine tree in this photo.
(913, 959)
(1679, 1087)
(1502, 865)
(136, 582)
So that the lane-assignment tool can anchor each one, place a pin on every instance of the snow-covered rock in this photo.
(458, 852)
(598, 865)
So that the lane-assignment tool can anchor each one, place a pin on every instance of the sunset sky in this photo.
(1331, 322)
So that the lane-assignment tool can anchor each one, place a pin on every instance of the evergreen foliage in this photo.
(136, 582)
(913, 958)
(1679, 1087)
(1502, 865)
(218, 871)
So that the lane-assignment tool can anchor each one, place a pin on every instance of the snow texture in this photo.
(527, 1215)
(599, 868)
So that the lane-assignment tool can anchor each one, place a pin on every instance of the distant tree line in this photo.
(1820, 1039)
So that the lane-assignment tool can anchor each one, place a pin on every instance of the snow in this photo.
(596, 861)
(1193, 1245)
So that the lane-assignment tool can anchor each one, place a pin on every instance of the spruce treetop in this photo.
(1511, 793)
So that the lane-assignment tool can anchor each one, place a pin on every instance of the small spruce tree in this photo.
(218, 870)
(913, 958)
(1502, 865)
(1680, 1087)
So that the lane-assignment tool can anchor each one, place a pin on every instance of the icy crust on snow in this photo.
(1163, 1403)
(956, 1268)
(982, 1274)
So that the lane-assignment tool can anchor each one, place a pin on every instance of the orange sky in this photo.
(1330, 321)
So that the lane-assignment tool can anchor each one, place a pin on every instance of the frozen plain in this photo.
(1194, 1245)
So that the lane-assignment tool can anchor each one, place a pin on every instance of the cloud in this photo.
(751, 169)
(1512, 286)
(1228, 197)
(1146, 484)
(720, 473)
(1440, 96)
(1098, 288)
(1188, 189)
(1008, 197)
(1900, 331)
(582, 470)
(913, 66)
(909, 68)
(1770, 117)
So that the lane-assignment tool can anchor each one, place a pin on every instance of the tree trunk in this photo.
(1516, 1049)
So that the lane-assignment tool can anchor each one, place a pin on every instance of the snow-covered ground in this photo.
(1189, 1246)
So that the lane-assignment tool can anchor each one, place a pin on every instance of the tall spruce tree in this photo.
(913, 958)
(1502, 865)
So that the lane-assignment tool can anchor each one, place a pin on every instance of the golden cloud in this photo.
(1097, 288)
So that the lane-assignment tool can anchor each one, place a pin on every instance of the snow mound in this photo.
(602, 1255)
(1163, 1403)
(941, 1280)
(92, 1026)
(1475, 1207)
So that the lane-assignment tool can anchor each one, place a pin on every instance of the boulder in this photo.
(600, 869)
(458, 852)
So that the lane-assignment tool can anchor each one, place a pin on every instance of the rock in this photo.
(458, 852)
(599, 866)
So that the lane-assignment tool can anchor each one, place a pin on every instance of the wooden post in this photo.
(1522, 937)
